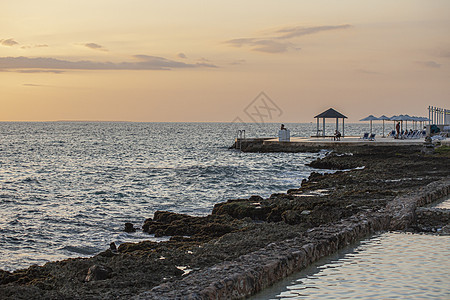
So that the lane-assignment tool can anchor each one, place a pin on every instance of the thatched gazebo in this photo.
(330, 114)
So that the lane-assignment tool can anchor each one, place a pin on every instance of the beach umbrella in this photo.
(407, 118)
(402, 118)
(421, 120)
(384, 118)
(416, 119)
(370, 118)
(397, 119)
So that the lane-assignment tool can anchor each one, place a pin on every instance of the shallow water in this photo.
(387, 266)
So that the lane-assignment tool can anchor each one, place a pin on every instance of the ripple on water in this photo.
(388, 266)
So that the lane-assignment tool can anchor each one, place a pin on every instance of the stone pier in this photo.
(253, 272)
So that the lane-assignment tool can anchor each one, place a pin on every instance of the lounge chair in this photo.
(365, 136)
(372, 137)
(392, 134)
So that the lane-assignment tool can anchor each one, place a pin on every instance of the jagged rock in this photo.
(255, 198)
(98, 272)
(129, 228)
(112, 247)
(445, 230)
(291, 217)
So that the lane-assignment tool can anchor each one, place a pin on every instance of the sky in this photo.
(221, 61)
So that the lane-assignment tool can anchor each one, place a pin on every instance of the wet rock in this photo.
(98, 272)
(243, 208)
(112, 247)
(255, 198)
(431, 219)
(445, 230)
(197, 228)
(129, 228)
(141, 246)
(291, 217)
(5, 277)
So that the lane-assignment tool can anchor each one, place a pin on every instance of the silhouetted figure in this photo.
(337, 135)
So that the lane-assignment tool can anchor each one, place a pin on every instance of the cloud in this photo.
(9, 42)
(38, 71)
(95, 46)
(238, 62)
(364, 71)
(429, 64)
(271, 46)
(142, 62)
(203, 62)
(241, 42)
(31, 84)
(443, 53)
(207, 65)
(34, 46)
(182, 55)
(263, 45)
(292, 32)
(279, 42)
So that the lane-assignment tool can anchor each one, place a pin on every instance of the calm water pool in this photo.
(387, 266)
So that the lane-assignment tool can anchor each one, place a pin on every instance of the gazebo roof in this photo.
(331, 113)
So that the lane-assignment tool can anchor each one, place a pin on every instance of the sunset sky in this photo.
(200, 61)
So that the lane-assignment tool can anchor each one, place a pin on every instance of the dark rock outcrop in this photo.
(129, 227)
(98, 272)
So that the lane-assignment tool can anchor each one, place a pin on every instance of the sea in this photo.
(68, 188)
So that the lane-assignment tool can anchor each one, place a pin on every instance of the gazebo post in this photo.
(337, 124)
(317, 133)
(323, 132)
(343, 128)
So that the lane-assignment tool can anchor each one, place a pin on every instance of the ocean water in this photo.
(67, 188)
(390, 265)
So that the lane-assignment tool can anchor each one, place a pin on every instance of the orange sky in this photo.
(143, 60)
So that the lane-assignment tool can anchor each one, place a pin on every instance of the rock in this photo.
(445, 230)
(129, 228)
(168, 217)
(98, 272)
(428, 147)
(113, 247)
(5, 277)
(291, 217)
(255, 198)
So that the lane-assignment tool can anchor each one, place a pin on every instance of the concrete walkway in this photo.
(351, 140)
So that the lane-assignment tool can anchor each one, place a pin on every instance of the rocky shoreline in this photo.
(248, 244)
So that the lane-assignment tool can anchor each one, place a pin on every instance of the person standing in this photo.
(397, 128)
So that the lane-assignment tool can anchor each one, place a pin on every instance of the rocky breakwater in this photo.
(329, 211)
(246, 245)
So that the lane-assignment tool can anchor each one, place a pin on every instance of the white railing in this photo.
(438, 116)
